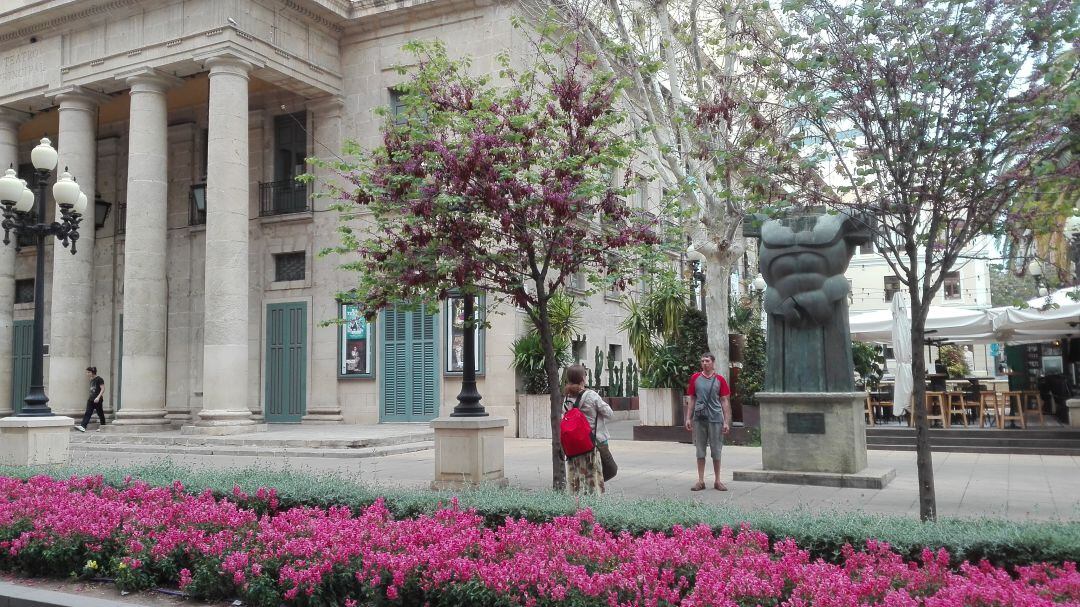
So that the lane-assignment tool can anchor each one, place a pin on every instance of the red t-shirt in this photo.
(724, 390)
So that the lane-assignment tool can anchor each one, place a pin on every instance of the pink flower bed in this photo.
(144, 536)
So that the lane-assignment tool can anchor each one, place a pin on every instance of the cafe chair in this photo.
(1012, 409)
(1034, 396)
(936, 407)
(954, 405)
(989, 406)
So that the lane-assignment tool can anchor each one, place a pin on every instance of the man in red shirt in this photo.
(708, 417)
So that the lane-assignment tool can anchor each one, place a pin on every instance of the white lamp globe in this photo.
(1035, 268)
(80, 204)
(26, 201)
(1072, 226)
(44, 155)
(11, 187)
(66, 191)
(759, 283)
(694, 255)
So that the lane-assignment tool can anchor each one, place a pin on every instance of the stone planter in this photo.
(534, 416)
(660, 406)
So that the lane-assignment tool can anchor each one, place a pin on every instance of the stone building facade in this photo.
(202, 298)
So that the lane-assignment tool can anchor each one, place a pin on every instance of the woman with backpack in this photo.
(584, 472)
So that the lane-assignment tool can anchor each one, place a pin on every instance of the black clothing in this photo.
(96, 385)
(91, 407)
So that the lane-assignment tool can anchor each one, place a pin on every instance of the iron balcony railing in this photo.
(283, 197)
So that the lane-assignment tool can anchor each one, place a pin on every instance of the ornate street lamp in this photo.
(18, 202)
(469, 397)
(697, 260)
(1036, 271)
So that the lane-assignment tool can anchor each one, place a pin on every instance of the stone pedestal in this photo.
(468, 452)
(814, 438)
(35, 441)
(1074, 412)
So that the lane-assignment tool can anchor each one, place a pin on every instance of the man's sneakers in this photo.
(80, 428)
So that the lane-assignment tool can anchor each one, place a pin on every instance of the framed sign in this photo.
(455, 335)
(355, 354)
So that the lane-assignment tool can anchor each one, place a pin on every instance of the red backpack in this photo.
(575, 433)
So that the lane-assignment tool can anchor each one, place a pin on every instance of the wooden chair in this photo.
(954, 405)
(989, 405)
(1030, 395)
(935, 408)
(1012, 409)
(869, 411)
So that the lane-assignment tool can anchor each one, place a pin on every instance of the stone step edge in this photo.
(17, 595)
(233, 451)
(225, 441)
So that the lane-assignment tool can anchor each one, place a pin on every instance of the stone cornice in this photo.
(59, 20)
(154, 78)
(339, 7)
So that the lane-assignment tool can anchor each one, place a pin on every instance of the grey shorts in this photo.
(711, 434)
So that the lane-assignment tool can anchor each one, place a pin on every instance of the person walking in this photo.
(708, 418)
(584, 473)
(94, 403)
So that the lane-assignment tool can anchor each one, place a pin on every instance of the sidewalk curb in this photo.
(15, 595)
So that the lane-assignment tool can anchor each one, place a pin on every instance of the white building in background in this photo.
(873, 284)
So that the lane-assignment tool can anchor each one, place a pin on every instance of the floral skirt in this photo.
(584, 473)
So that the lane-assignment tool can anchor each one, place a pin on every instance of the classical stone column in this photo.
(9, 155)
(225, 337)
(73, 275)
(145, 296)
(324, 406)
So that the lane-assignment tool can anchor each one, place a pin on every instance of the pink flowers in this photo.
(212, 548)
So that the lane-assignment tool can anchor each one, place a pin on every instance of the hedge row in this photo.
(823, 533)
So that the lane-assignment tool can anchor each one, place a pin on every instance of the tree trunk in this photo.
(717, 295)
(923, 459)
(551, 369)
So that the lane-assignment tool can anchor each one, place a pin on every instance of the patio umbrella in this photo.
(901, 339)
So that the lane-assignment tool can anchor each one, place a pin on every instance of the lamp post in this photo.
(1072, 233)
(469, 397)
(1036, 271)
(18, 202)
(697, 261)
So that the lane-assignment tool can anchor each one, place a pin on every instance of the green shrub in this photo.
(823, 533)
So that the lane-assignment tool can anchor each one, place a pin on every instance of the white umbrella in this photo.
(901, 339)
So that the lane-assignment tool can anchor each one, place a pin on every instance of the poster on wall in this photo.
(455, 336)
(355, 346)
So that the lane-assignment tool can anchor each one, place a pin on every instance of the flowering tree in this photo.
(713, 138)
(507, 191)
(935, 117)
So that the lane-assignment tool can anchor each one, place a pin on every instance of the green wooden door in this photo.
(410, 365)
(22, 361)
(286, 362)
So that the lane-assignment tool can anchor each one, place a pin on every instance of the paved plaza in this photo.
(968, 485)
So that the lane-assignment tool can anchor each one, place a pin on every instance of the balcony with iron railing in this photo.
(283, 197)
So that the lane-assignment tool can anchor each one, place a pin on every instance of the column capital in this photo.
(331, 105)
(77, 97)
(148, 80)
(234, 61)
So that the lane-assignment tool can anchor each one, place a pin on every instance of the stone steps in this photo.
(233, 441)
(260, 450)
(1035, 441)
